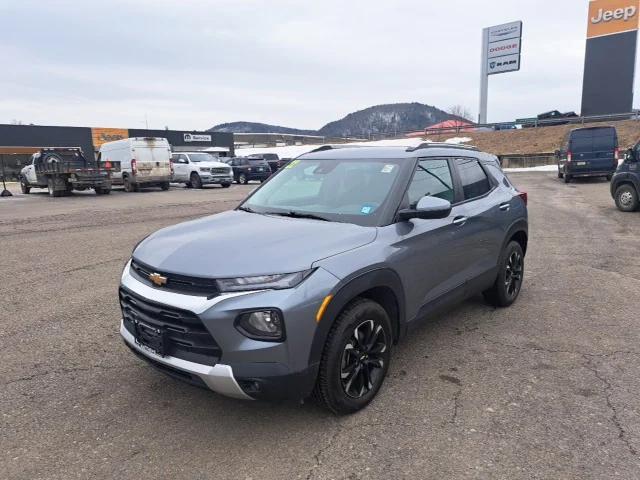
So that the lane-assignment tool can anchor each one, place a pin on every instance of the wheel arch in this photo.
(382, 286)
(518, 232)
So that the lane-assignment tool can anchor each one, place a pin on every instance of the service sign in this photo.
(505, 31)
(195, 137)
(504, 47)
(507, 63)
(608, 17)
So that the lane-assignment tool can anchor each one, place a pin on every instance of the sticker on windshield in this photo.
(388, 168)
(367, 209)
(292, 164)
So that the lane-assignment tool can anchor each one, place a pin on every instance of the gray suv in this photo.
(335, 259)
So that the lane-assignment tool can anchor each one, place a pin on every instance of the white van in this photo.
(138, 162)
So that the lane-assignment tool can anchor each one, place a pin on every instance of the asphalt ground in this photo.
(547, 389)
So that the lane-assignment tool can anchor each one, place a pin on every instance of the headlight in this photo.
(265, 325)
(205, 169)
(263, 282)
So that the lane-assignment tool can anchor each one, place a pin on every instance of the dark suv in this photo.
(344, 251)
(247, 169)
(588, 152)
(625, 184)
(271, 158)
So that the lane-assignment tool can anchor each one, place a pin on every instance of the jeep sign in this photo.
(607, 17)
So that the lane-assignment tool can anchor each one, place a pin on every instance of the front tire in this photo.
(508, 283)
(243, 179)
(24, 186)
(165, 186)
(626, 198)
(356, 357)
(196, 181)
(560, 174)
(226, 185)
(567, 178)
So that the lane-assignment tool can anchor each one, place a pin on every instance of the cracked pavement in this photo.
(546, 389)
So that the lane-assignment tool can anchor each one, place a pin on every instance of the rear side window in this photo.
(475, 182)
(432, 178)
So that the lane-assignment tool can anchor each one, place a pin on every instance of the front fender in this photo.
(350, 288)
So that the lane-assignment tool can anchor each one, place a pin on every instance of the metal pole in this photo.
(484, 78)
(5, 192)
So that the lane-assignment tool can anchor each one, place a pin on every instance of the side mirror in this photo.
(428, 208)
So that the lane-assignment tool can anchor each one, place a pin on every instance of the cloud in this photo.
(194, 64)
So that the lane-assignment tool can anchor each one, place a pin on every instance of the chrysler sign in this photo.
(505, 31)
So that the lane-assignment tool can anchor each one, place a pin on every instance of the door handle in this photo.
(505, 206)
(459, 221)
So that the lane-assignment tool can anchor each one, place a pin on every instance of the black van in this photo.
(588, 152)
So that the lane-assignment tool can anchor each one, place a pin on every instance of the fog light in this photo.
(262, 325)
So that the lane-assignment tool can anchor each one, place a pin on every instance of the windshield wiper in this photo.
(295, 214)
(247, 209)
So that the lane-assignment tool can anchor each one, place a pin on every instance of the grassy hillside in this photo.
(538, 140)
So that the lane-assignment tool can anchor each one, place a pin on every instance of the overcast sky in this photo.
(194, 64)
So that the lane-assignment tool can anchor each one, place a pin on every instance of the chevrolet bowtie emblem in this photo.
(158, 279)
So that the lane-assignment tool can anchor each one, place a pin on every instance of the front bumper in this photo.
(218, 378)
(214, 180)
(246, 368)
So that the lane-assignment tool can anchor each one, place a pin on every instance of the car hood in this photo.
(237, 243)
(211, 164)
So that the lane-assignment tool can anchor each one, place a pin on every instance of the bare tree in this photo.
(461, 111)
(16, 122)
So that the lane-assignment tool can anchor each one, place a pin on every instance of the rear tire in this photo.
(129, 186)
(356, 357)
(567, 178)
(24, 186)
(508, 283)
(226, 185)
(165, 186)
(243, 179)
(53, 185)
(196, 181)
(626, 198)
(560, 174)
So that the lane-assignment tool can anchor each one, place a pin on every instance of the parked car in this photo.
(246, 169)
(139, 162)
(343, 253)
(588, 152)
(62, 170)
(271, 158)
(625, 184)
(196, 169)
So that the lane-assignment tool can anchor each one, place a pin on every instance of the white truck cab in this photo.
(196, 169)
(138, 162)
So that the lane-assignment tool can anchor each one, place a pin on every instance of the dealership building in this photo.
(19, 142)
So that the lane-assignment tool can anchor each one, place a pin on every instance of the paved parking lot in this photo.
(548, 388)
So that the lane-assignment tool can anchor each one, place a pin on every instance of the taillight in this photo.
(107, 165)
(134, 167)
(568, 157)
(616, 154)
(171, 166)
(524, 197)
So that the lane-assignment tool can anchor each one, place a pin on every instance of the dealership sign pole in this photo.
(501, 46)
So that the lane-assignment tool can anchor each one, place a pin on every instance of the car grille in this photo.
(184, 334)
(220, 170)
(176, 283)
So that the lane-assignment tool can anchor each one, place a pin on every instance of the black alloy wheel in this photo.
(513, 274)
(356, 357)
(363, 359)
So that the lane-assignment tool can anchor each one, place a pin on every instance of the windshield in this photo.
(201, 157)
(350, 191)
(257, 161)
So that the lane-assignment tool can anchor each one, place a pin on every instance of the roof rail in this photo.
(457, 146)
(335, 147)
